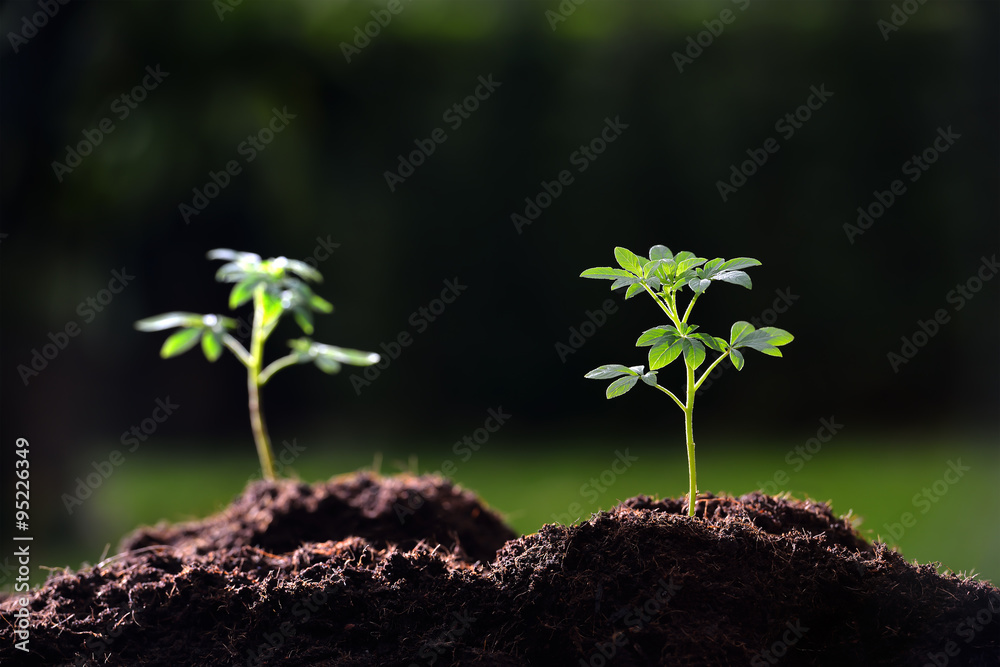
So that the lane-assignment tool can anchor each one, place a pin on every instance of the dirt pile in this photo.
(757, 580)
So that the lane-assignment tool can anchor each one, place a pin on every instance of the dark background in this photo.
(323, 178)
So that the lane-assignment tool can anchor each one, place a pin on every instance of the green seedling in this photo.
(276, 287)
(662, 276)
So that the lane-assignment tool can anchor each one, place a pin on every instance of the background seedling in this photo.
(276, 287)
(662, 276)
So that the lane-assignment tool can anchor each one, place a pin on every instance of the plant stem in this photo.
(260, 436)
(689, 433)
(277, 365)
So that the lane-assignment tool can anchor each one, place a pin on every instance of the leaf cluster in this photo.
(277, 286)
(662, 275)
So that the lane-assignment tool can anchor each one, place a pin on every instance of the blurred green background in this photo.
(350, 105)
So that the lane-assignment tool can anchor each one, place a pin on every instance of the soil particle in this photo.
(756, 580)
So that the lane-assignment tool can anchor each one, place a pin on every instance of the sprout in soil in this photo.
(663, 275)
(276, 287)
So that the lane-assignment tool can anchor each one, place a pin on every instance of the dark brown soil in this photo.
(331, 575)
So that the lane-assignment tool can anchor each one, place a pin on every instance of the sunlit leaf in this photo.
(628, 260)
(735, 277)
(304, 270)
(737, 358)
(633, 290)
(180, 342)
(621, 386)
(660, 252)
(605, 273)
(304, 319)
(168, 321)
(738, 263)
(609, 371)
(326, 364)
(242, 292)
(694, 352)
(211, 345)
(664, 353)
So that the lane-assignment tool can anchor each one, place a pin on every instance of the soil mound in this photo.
(755, 581)
(281, 516)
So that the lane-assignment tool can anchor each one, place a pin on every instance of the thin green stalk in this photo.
(709, 369)
(277, 365)
(260, 436)
(689, 433)
(669, 393)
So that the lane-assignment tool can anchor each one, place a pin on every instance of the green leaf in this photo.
(180, 342)
(778, 336)
(211, 345)
(320, 304)
(304, 319)
(346, 355)
(737, 358)
(660, 252)
(242, 292)
(609, 371)
(628, 260)
(665, 353)
(739, 263)
(168, 321)
(233, 255)
(710, 269)
(738, 331)
(622, 282)
(304, 270)
(694, 352)
(650, 336)
(272, 306)
(633, 289)
(621, 386)
(605, 273)
(650, 378)
(699, 285)
(713, 343)
(689, 263)
(734, 277)
(326, 364)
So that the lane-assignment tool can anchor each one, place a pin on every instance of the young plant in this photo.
(276, 287)
(662, 276)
